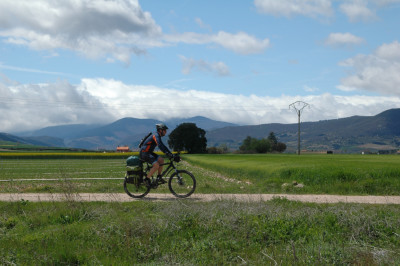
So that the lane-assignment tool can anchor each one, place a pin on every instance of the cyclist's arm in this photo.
(161, 145)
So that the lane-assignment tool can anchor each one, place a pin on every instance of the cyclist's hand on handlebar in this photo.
(174, 157)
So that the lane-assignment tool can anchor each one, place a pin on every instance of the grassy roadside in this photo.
(186, 232)
(230, 173)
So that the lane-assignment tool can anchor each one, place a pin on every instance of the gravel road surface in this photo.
(122, 197)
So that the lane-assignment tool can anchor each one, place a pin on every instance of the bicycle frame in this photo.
(170, 167)
(181, 183)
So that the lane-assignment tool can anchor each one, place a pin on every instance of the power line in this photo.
(298, 107)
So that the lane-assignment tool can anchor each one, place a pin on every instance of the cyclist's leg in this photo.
(149, 157)
(152, 158)
(153, 169)
(160, 162)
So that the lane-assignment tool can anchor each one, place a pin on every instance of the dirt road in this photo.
(122, 197)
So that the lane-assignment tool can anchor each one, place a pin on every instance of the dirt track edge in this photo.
(122, 197)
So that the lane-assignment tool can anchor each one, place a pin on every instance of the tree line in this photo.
(188, 137)
(269, 144)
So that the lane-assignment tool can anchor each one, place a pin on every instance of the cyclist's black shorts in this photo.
(149, 157)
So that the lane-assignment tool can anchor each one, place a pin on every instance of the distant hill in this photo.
(37, 141)
(350, 134)
(346, 134)
(11, 138)
(200, 121)
(126, 131)
(63, 131)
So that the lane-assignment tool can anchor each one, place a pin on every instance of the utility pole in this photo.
(298, 107)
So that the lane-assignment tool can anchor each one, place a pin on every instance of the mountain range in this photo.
(352, 134)
(124, 132)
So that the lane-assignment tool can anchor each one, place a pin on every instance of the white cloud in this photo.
(114, 30)
(385, 2)
(377, 72)
(357, 10)
(241, 42)
(310, 89)
(240, 109)
(343, 39)
(389, 51)
(202, 25)
(93, 28)
(190, 64)
(287, 8)
(30, 106)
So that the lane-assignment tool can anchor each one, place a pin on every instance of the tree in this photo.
(275, 144)
(280, 147)
(188, 137)
(272, 138)
(249, 144)
(263, 146)
(253, 145)
(224, 148)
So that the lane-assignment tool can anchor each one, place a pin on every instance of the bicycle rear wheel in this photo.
(135, 187)
(182, 184)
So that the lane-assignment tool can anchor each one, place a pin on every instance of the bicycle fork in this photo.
(180, 179)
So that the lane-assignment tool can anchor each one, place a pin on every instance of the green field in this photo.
(326, 174)
(188, 232)
(230, 173)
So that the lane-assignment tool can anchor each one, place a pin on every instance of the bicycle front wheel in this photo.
(182, 184)
(135, 189)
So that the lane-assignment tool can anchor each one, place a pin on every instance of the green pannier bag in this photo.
(134, 177)
(133, 161)
(134, 170)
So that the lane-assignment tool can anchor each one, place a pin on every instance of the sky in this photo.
(244, 62)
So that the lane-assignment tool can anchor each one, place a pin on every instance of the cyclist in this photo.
(147, 153)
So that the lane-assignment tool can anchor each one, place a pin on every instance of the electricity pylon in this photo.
(298, 107)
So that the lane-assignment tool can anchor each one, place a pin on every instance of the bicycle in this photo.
(181, 183)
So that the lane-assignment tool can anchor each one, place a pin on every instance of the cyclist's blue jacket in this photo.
(152, 142)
